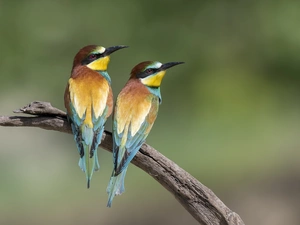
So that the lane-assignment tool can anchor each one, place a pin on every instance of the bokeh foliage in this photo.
(230, 115)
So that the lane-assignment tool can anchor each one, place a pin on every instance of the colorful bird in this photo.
(135, 112)
(89, 102)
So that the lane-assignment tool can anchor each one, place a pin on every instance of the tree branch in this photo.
(196, 198)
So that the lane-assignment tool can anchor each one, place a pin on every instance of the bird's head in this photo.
(95, 57)
(151, 73)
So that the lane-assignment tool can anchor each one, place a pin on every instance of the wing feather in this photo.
(86, 102)
(131, 129)
(88, 98)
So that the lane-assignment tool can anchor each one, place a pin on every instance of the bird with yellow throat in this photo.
(89, 102)
(134, 114)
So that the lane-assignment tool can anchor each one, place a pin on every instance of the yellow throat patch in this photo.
(154, 80)
(99, 64)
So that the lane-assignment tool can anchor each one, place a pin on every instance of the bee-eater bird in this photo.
(89, 102)
(134, 114)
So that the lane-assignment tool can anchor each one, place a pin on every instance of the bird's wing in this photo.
(86, 103)
(133, 121)
(88, 99)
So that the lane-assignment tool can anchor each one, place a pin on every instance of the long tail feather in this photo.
(97, 165)
(88, 163)
(115, 186)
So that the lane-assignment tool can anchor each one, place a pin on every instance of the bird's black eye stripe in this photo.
(147, 73)
(90, 58)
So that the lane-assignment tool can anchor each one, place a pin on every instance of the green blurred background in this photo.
(230, 115)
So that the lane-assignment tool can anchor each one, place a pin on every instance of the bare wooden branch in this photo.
(40, 108)
(196, 198)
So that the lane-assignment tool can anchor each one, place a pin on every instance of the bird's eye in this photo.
(92, 56)
(149, 71)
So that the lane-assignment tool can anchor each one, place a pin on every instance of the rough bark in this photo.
(196, 198)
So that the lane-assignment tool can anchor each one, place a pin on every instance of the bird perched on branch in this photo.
(135, 112)
(89, 102)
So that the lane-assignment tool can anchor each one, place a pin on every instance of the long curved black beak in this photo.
(112, 49)
(169, 65)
